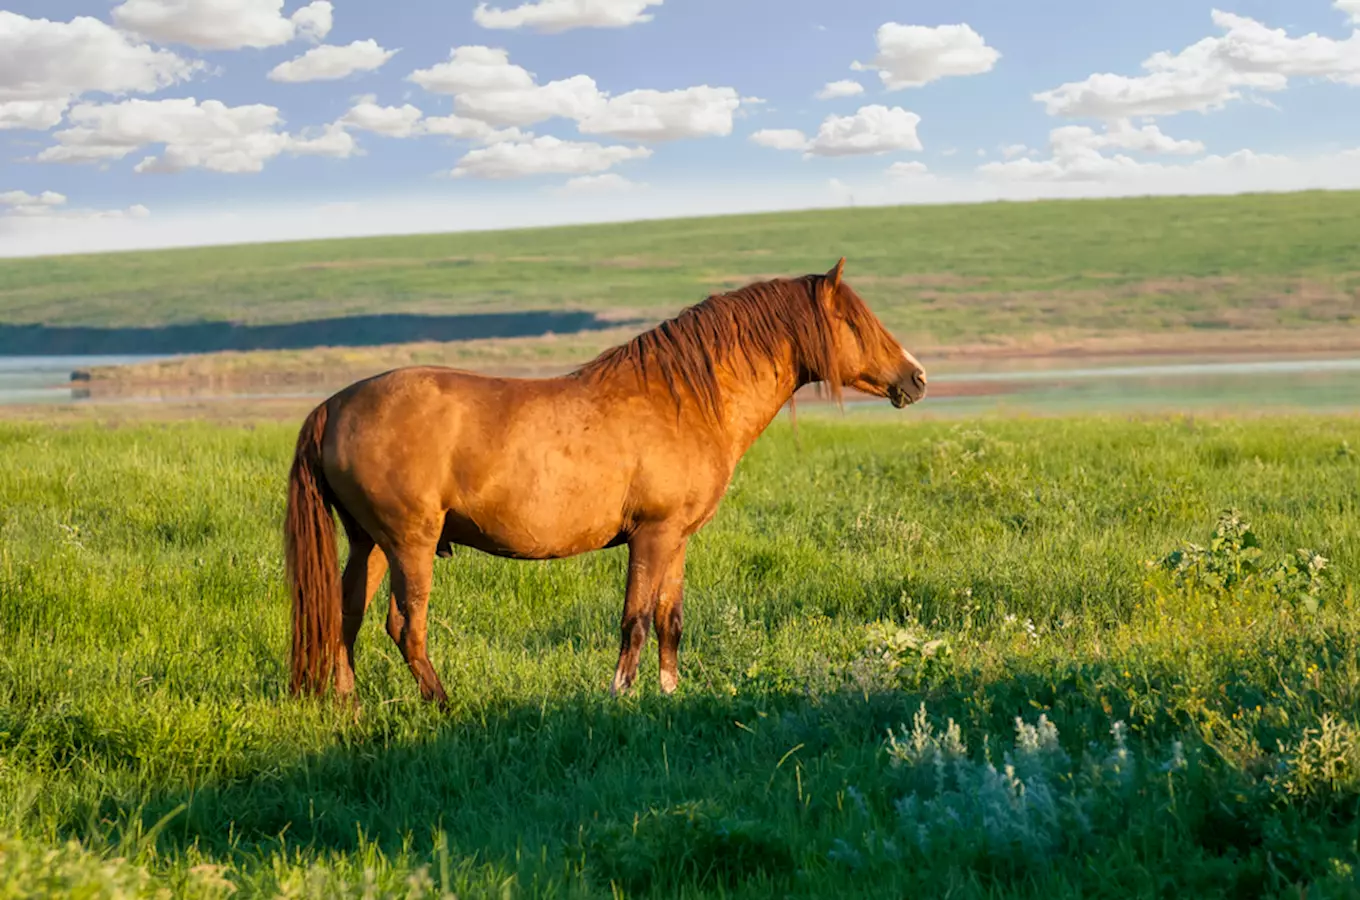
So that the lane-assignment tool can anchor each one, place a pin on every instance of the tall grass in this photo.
(969, 659)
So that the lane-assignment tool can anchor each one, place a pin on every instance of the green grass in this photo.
(947, 274)
(144, 715)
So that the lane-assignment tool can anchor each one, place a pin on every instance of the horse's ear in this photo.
(830, 292)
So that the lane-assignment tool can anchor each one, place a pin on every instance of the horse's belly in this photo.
(529, 533)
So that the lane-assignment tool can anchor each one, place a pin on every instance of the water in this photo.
(47, 379)
(1153, 370)
(959, 389)
(1149, 385)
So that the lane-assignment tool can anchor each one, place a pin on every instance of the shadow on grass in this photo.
(573, 776)
(703, 790)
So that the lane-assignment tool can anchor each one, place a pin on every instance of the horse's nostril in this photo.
(919, 378)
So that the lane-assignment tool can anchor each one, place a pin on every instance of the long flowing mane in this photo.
(748, 325)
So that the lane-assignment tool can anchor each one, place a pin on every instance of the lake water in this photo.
(1316, 384)
(47, 379)
(1012, 386)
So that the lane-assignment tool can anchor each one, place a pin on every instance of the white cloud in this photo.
(486, 86)
(552, 16)
(44, 65)
(1079, 167)
(209, 136)
(333, 141)
(781, 139)
(407, 121)
(544, 156)
(474, 69)
(837, 89)
(33, 115)
(872, 130)
(1351, 8)
(51, 205)
(314, 21)
(1089, 166)
(392, 121)
(1120, 134)
(1077, 154)
(909, 171)
(223, 24)
(647, 115)
(330, 62)
(1210, 73)
(464, 129)
(608, 183)
(19, 200)
(915, 55)
(1010, 151)
(1250, 47)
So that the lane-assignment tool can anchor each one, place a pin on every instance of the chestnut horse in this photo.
(636, 447)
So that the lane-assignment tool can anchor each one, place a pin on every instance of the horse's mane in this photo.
(748, 325)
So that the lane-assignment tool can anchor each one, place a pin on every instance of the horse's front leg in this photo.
(656, 564)
(670, 609)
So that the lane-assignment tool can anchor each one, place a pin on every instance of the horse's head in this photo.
(869, 358)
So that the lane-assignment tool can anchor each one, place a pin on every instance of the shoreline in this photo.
(324, 369)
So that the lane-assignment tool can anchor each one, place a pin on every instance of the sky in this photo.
(150, 123)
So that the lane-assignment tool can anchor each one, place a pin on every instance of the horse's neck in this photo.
(750, 404)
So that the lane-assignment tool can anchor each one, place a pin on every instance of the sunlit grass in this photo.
(989, 570)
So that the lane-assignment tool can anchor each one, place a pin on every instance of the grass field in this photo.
(1119, 730)
(941, 276)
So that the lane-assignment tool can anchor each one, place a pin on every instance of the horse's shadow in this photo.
(707, 788)
(533, 787)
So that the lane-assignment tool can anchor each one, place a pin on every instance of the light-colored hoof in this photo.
(669, 682)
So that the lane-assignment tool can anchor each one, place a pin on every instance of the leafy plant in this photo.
(1234, 560)
(905, 650)
(1300, 579)
(1231, 558)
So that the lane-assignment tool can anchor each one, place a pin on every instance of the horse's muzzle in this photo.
(908, 391)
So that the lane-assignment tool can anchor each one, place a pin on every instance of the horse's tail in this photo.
(312, 562)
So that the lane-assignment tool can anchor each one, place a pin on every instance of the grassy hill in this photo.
(945, 275)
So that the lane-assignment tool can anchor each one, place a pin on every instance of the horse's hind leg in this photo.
(364, 571)
(412, 573)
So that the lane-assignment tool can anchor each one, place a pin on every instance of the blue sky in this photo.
(157, 122)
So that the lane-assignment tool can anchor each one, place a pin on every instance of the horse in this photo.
(635, 447)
